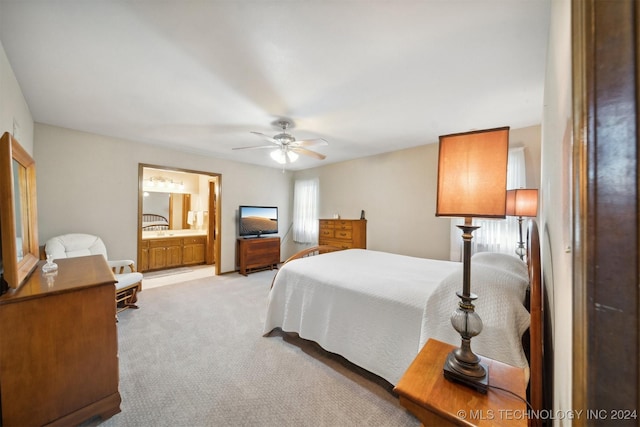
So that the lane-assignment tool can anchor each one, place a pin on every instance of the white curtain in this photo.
(305, 210)
(494, 235)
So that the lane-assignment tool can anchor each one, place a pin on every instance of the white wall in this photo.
(397, 190)
(13, 107)
(89, 183)
(529, 138)
(555, 197)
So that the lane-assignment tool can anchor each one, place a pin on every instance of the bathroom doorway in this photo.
(178, 218)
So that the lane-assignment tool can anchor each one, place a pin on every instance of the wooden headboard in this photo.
(536, 328)
(146, 217)
(154, 222)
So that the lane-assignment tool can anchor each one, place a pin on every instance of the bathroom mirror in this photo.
(165, 211)
(18, 213)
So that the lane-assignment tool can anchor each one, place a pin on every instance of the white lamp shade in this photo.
(292, 156)
(472, 174)
(284, 156)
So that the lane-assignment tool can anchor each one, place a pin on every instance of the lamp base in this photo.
(521, 251)
(481, 384)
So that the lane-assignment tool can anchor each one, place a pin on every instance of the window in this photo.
(305, 210)
(494, 235)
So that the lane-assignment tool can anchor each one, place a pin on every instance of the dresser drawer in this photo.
(343, 244)
(326, 232)
(343, 234)
(196, 240)
(343, 225)
(163, 243)
(326, 224)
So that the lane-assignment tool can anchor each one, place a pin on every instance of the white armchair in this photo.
(129, 281)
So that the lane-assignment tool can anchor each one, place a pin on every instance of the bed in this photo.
(154, 222)
(378, 309)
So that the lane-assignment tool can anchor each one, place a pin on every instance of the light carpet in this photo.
(167, 272)
(194, 355)
(176, 275)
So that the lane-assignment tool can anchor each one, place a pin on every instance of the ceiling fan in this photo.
(286, 147)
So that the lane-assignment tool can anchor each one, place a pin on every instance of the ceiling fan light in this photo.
(279, 156)
(284, 156)
(292, 156)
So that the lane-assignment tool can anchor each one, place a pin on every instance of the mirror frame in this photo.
(16, 272)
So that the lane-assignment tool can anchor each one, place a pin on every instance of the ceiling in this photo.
(369, 76)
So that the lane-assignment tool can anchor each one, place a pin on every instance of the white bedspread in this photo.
(365, 305)
(501, 294)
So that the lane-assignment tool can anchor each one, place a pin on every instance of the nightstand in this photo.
(435, 401)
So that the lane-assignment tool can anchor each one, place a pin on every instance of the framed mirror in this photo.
(165, 211)
(18, 213)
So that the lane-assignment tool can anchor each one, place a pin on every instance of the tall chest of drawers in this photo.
(343, 233)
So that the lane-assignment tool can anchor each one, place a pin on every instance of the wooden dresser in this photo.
(343, 233)
(59, 346)
(258, 253)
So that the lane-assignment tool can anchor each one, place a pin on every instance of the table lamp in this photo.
(472, 182)
(522, 203)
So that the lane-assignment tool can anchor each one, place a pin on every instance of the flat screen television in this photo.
(254, 221)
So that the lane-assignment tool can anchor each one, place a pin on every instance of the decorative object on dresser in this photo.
(343, 233)
(258, 253)
(59, 349)
(472, 181)
(437, 402)
(128, 280)
(522, 203)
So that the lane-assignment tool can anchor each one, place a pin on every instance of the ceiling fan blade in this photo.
(311, 142)
(254, 147)
(306, 152)
(268, 138)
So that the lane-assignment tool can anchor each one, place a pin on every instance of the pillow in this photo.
(506, 262)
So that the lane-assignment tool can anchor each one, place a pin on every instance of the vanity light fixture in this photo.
(163, 182)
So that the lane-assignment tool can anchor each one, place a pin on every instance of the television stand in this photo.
(254, 254)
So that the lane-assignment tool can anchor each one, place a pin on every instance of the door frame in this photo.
(606, 264)
(214, 234)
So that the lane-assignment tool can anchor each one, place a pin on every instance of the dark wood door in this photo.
(606, 372)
